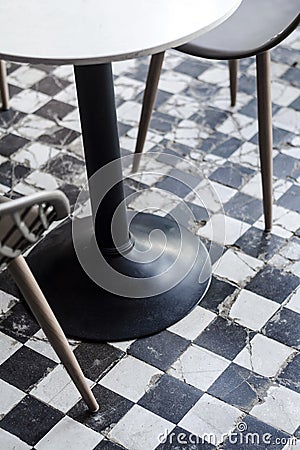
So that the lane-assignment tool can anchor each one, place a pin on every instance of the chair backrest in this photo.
(256, 26)
(23, 221)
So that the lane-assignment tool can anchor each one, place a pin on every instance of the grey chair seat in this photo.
(246, 33)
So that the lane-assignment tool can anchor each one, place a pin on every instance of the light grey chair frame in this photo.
(283, 19)
(22, 223)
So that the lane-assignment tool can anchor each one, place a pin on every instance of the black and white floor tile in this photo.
(232, 366)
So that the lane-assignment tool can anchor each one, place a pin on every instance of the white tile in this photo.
(223, 229)
(40, 344)
(154, 201)
(224, 193)
(25, 76)
(71, 121)
(33, 126)
(8, 346)
(288, 119)
(140, 429)
(247, 155)
(236, 266)
(58, 390)
(207, 196)
(263, 355)
(283, 94)
(69, 433)
(10, 396)
(280, 409)
(65, 73)
(293, 443)
(67, 95)
(294, 302)
(124, 345)
(234, 124)
(173, 82)
(180, 106)
(253, 187)
(35, 155)
(215, 75)
(42, 180)
(252, 310)
(129, 112)
(120, 378)
(210, 419)
(29, 101)
(194, 323)
(198, 367)
(10, 442)
(7, 301)
(24, 189)
(127, 88)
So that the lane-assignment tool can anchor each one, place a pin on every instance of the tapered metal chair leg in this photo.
(148, 104)
(45, 317)
(3, 85)
(265, 135)
(233, 79)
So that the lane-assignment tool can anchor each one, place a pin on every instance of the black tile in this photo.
(284, 327)
(226, 149)
(54, 110)
(289, 377)
(170, 398)
(210, 117)
(51, 85)
(189, 214)
(108, 445)
(285, 55)
(8, 285)
(280, 137)
(192, 67)
(71, 192)
(160, 350)
(247, 84)
(10, 117)
(273, 284)
(10, 143)
(180, 439)
(223, 337)
(25, 368)
(244, 207)
(95, 359)
(217, 292)
(256, 435)
(61, 137)
(214, 249)
(30, 420)
(293, 76)
(123, 128)
(257, 243)
(286, 166)
(232, 175)
(112, 407)
(178, 183)
(212, 142)
(11, 172)
(19, 323)
(240, 387)
(65, 167)
(295, 104)
(251, 109)
(201, 90)
(290, 200)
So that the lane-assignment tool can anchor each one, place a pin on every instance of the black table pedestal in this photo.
(160, 270)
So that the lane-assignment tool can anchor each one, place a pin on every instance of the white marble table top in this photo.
(98, 31)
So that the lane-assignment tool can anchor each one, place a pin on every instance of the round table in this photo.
(106, 280)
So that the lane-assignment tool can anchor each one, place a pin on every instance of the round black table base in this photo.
(88, 312)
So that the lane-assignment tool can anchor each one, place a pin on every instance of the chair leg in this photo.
(233, 79)
(45, 317)
(3, 86)
(265, 136)
(148, 103)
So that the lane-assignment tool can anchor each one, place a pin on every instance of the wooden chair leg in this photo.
(265, 135)
(148, 103)
(48, 322)
(233, 79)
(3, 86)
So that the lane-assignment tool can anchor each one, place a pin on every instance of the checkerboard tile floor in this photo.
(232, 365)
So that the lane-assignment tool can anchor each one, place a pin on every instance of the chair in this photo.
(253, 29)
(22, 223)
(3, 86)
